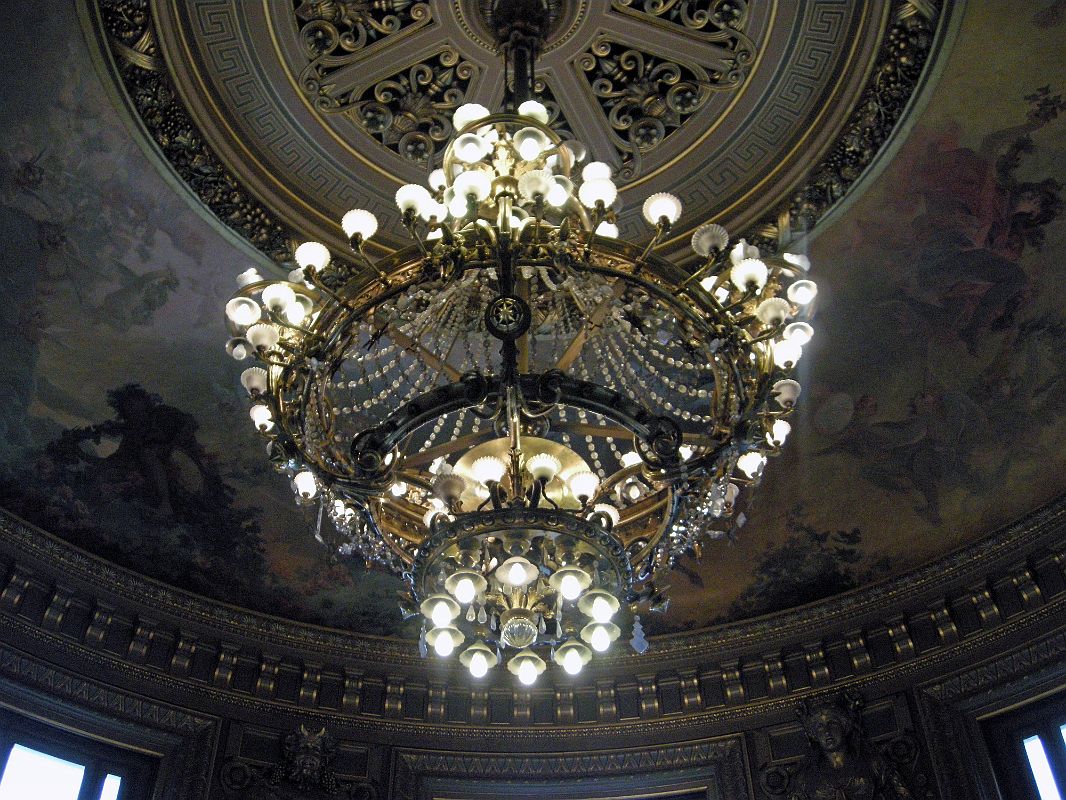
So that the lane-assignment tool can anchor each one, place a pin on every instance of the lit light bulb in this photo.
(465, 591)
(398, 489)
(572, 661)
(802, 292)
(799, 332)
(596, 171)
(608, 230)
(778, 433)
(305, 484)
(601, 610)
(295, 312)
(527, 672)
(517, 574)
(359, 222)
(479, 665)
(262, 417)
(570, 587)
(243, 311)
(600, 639)
(278, 296)
(441, 615)
(751, 463)
(631, 459)
(312, 254)
(786, 353)
(444, 644)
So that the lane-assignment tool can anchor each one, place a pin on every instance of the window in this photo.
(1028, 747)
(44, 763)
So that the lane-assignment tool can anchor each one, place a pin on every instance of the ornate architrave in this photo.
(757, 113)
(972, 605)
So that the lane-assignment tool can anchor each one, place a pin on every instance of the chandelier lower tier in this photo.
(525, 418)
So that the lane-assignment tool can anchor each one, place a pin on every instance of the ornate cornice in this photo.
(963, 608)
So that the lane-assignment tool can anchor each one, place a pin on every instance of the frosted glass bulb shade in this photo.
(527, 673)
(662, 204)
(526, 665)
(749, 273)
(489, 469)
(470, 148)
(437, 180)
(443, 644)
(239, 349)
(786, 354)
(530, 143)
(709, 238)
(398, 489)
(248, 277)
(458, 207)
(516, 571)
(573, 662)
(608, 230)
(254, 379)
(468, 113)
(261, 417)
(278, 296)
(263, 336)
(560, 192)
(359, 222)
(583, 485)
(534, 109)
(305, 484)
(312, 254)
(243, 311)
(778, 433)
(478, 665)
(798, 260)
(412, 197)
(631, 459)
(473, 182)
(536, 182)
(799, 332)
(543, 466)
(576, 149)
(296, 311)
(597, 191)
(609, 511)
(570, 582)
(786, 392)
(773, 311)
(751, 463)
(802, 292)
(596, 171)
(730, 496)
(599, 605)
(433, 209)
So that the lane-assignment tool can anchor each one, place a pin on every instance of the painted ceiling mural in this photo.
(934, 408)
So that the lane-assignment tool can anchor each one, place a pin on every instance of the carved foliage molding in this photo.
(719, 21)
(646, 97)
(128, 25)
(410, 112)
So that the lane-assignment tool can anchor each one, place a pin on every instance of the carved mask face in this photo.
(829, 729)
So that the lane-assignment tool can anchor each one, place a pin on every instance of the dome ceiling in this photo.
(153, 149)
(318, 106)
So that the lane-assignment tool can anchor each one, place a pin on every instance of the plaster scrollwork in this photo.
(410, 111)
(645, 97)
(719, 21)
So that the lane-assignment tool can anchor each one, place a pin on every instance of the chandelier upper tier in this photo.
(526, 418)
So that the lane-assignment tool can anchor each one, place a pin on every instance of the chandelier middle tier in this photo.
(526, 418)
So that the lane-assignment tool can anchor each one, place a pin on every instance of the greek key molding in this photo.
(711, 175)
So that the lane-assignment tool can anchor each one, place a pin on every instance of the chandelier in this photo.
(524, 417)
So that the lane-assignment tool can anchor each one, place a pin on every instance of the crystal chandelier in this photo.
(525, 418)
